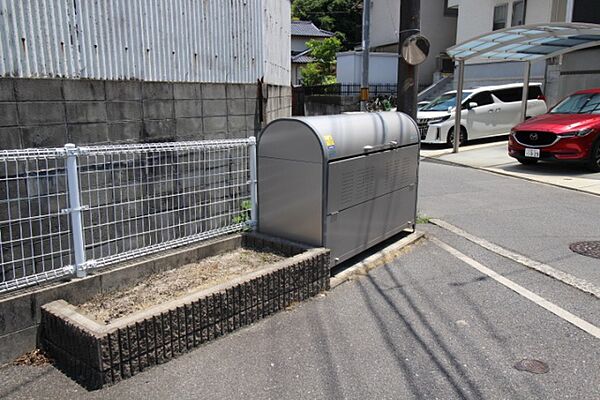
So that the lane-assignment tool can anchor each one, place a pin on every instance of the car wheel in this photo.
(527, 161)
(462, 139)
(594, 162)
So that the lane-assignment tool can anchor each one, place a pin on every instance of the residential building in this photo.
(301, 33)
(438, 24)
(561, 76)
(476, 17)
(141, 71)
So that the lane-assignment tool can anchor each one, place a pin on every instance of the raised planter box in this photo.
(96, 355)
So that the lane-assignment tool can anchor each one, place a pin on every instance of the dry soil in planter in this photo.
(169, 285)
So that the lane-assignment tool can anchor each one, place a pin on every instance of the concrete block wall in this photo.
(330, 105)
(171, 195)
(279, 102)
(52, 112)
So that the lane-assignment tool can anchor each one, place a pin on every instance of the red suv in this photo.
(568, 132)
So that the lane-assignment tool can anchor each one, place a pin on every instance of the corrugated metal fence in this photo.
(161, 40)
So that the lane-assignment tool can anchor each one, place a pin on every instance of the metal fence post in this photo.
(458, 108)
(253, 182)
(525, 97)
(75, 210)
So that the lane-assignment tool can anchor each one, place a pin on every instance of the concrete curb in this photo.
(502, 173)
(445, 152)
(381, 257)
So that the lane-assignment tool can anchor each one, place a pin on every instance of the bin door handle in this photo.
(393, 143)
(368, 147)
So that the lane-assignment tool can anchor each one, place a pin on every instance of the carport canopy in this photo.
(526, 43)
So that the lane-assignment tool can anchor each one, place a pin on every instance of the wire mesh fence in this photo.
(35, 236)
(105, 204)
(347, 89)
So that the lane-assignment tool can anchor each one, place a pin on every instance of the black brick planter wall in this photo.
(96, 355)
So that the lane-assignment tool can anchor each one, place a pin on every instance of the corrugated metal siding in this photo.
(153, 40)
(277, 25)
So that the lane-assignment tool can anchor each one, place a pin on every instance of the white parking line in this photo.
(545, 269)
(540, 301)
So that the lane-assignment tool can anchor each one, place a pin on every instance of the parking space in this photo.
(493, 156)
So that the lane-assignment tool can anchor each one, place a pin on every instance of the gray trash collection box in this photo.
(345, 182)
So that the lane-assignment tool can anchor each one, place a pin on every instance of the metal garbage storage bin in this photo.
(345, 182)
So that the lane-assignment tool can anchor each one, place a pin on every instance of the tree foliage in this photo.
(311, 75)
(340, 16)
(322, 70)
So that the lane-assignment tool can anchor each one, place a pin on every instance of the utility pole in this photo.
(366, 44)
(408, 82)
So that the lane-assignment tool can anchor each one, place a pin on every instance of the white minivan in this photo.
(487, 111)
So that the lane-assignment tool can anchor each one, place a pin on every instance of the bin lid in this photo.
(331, 137)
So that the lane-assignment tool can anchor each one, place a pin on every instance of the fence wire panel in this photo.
(350, 89)
(35, 236)
(139, 199)
(134, 200)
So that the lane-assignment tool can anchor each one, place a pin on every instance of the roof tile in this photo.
(307, 28)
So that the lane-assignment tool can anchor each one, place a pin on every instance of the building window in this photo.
(450, 12)
(518, 13)
(586, 11)
(500, 14)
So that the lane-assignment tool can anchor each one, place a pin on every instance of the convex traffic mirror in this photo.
(415, 49)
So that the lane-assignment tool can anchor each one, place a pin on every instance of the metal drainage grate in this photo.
(589, 249)
(533, 366)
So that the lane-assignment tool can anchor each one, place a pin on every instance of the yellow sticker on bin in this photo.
(329, 141)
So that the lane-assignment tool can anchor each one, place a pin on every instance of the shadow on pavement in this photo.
(442, 357)
(455, 374)
(341, 267)
(331, 380)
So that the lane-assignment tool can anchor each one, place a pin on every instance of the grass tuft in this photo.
(423, 219)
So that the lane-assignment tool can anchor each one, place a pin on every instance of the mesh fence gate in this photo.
(65, 210)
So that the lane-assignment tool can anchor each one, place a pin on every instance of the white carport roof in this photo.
(528, 42)
(525, 43)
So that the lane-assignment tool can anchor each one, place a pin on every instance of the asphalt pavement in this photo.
(535, 220)
(426, 326)
(491, 155)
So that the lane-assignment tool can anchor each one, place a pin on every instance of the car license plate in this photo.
(533, 153)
